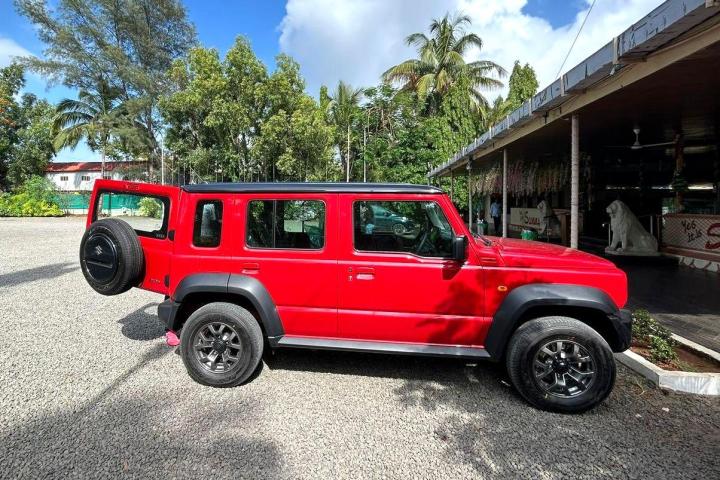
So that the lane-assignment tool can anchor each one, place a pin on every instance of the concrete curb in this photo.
(688, 382)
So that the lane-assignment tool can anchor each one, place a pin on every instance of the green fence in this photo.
(78, 203)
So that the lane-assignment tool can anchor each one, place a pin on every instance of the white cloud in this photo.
(356, 40)
(10, 49)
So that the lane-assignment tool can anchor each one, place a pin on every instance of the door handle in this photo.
(365, 273)
(250, 267)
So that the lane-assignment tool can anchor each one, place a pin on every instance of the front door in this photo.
(397, 282)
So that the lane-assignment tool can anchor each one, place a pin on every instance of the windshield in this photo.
(476, 235)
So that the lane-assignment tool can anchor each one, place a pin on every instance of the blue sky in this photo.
(355, 40)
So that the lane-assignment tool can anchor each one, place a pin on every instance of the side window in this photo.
(417, 227)
(146, 214)
(290, 224)
(208, 223)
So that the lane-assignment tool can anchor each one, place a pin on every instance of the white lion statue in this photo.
(627, 232)
(549, 222)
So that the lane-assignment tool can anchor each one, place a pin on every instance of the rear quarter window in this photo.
(208, 223)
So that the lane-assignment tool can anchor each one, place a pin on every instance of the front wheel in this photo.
(560, 364)
(221, 345)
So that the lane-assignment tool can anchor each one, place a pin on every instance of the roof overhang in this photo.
(672, 32)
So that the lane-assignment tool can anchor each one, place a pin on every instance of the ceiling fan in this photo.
(639, 146)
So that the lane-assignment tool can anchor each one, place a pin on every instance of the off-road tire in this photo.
(249, 334)
(111, 257)
(530, 338)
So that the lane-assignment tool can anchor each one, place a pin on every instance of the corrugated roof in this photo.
(665, 23)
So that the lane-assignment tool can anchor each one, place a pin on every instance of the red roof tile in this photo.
(65, 167)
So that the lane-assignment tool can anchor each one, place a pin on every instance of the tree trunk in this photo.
(347, 157)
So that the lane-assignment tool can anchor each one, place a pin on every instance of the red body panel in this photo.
(339, 292)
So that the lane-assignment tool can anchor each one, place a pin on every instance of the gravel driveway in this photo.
(89, 389)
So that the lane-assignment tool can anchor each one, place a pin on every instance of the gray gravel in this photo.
(88, 389)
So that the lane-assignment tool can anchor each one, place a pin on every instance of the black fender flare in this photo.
(249, 288)
(521, 299)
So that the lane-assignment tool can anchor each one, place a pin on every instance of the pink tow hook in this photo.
(171, 338)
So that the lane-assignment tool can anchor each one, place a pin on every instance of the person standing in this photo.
(495, 213)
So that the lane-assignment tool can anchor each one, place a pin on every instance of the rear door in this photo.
(289, 243)
(152, 211)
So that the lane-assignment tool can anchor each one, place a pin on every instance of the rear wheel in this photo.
(111, 256)
(560, 364)
(221, 345)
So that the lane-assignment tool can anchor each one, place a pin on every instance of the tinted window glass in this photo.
(420, 228)
(146, 214)
(286, 224)
(208, 223)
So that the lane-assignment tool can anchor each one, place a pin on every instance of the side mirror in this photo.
(459, 246)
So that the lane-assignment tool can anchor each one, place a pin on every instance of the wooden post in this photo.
(504, 195)
(470, 219)
(452, 185)
(574, 180)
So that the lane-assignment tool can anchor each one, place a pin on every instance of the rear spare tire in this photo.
(111, 257)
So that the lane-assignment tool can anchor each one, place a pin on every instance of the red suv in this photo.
(382, 268)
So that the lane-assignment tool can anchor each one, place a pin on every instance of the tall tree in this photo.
(294, 136)
(25, 131)
(228, 118)
(127, 44)
(523, 84)
(441, 63)
(93, 117)
(344, 110)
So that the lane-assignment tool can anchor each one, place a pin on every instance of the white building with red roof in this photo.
(81, 176)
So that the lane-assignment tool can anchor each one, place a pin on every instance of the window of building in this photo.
(85, 178)
(107, 176)
(146, 214)
(294, 224)
(63, 178)
(208, 223)
(419, 228)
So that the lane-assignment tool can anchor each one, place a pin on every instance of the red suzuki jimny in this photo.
(382, 268)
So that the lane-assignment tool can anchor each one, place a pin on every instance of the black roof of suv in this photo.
(302, 187)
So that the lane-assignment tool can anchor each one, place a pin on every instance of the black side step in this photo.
(380, 347)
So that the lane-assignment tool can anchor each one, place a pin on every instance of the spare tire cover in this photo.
(111, 256)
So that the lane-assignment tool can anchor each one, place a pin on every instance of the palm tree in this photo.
(94, 116)
(343, 110)
(441, 63)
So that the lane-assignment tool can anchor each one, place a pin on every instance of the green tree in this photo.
(230, 119)
(344, 112)
(127, 44)
(94, 117)
(522, 85)
(441, 64)
(11, 81)
(34, 147)
(215, 111)
(25, 131)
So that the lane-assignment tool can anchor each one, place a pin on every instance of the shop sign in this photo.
(697, 232)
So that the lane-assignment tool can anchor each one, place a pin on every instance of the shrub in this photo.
(645, 326)
(647, 330)
(35, 198)
(40, 189)
(662, 351)
(150, 207)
